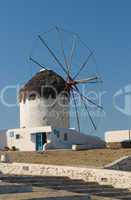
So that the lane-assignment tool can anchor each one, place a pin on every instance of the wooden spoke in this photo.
(83, 65)
(37, 63)
(76, 110)
(53, 54)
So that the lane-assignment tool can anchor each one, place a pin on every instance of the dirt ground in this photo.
(93, 158)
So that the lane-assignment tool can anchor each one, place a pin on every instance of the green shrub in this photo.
(13, 148)
(6, 148)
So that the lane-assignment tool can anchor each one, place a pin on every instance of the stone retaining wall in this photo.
(118, 179)
(118, 145)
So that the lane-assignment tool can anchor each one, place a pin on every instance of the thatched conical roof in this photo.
(44, 84)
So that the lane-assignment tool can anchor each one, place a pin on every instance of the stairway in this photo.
(97, 192)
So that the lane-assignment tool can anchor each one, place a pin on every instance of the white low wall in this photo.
(118, 179)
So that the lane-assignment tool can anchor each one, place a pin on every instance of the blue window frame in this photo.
(12, 134)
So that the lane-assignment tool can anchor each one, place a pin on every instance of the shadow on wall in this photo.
(3, 138)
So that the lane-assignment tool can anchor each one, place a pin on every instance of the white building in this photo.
(118, 138)
(44, 117)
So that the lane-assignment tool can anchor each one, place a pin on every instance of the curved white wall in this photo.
(43, 112)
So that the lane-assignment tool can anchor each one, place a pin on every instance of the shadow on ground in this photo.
(62, 198)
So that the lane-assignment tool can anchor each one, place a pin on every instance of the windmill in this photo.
(75, 75)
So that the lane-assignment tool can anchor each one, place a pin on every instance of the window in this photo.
(11, 134)
(57, 133)
(65, 136)
(17, 136)
(32, 96)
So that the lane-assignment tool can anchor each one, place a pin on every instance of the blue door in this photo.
(40, 141)
(39, 145)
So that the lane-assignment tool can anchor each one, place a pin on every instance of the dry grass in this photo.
(95, 158)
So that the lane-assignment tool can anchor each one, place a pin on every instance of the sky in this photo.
(104, 25)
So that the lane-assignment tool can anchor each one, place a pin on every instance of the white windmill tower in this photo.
(42, 102)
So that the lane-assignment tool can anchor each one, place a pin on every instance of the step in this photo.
(6, 188)
(116, 194)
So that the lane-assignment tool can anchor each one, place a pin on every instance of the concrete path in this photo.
(62, 188)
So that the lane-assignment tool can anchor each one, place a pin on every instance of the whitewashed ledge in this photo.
(118, 179)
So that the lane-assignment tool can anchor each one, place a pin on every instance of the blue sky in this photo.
(104, 25)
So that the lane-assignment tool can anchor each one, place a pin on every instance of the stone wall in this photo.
(118, 145)
(123, 164)
(117, 179)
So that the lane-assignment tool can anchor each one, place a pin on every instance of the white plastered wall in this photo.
(43, 112)
(117, 136)
(74, 138)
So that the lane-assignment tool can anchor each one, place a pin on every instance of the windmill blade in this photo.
(76, 111)
(83, 65)
(90, 79)
(72, 53)
(62, 47)
(92, 102)
(90, 117)
(89, 82)
(53, 54)
(88, 99)
(37, 63)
